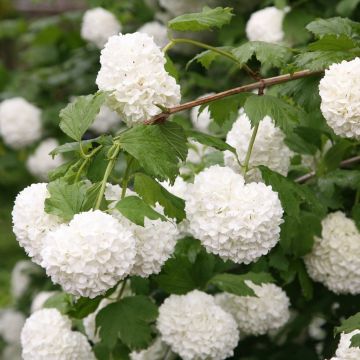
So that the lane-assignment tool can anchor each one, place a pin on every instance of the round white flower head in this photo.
(340, 98)
(30, 221)
(132, 70)
(20, 122)
(41, 162)
(98, 25)
(335, 257)
(201, 121)
(344, 350)
(157, 31)
(40, 299)
(156, 351)
(196, 328)
(266, 25)
(11, 352)
(269, 148)
(315, 328)
(90, 254)
(268, 311)
(105, 121)
(236, 221)
(11, 323)
(21, 277)
(47, 335)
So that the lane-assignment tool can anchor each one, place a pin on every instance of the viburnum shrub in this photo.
(231, 233)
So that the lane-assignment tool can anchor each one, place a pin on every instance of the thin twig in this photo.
(245, 88)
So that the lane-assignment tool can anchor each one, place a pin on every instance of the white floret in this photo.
(11, 323)
(233, 220)
(157, 31)
(20, 123)
(30, 221)
(335, 257)
(196, 328)
(40, 299)
(105, 121)
(98, 25)
(47, 335)
(260, 314)
(269, 148)
(89, 255)
(266, 25)
(132, 71)
(41, 162)
(156, 351)
(340, 98)
(201, 121)
(344, 350)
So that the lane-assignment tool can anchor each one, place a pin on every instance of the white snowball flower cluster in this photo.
(236, 221)
(20, 122)
(21, 277)
(266, 25)
(90, 254)
(47, 335)
(269, 148)
(201, 121)
(344, 350)
(132, 70)
(335, 257)
(11, 323)
(30, 221)
(98, 25)
(196, 328)
(157, 31)
(268, 311)
(41, 162)
(156, 351)
(340, 98)
(40, 299)
(105, 121)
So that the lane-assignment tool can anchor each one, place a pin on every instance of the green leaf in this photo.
(207, 57)
(284, 115)
(235, 284)
(152, 192)
(60, 301)
(350, 324)
(65, 199)
(336, 26)
(341, 178)
(171, 68)
(335, 154)
(334, 43)
(306, 284)
(158, 148)
(294, 24)
(136, 210)
(205, 20)
(346, 7)
(355, 341)
(80, 114)
(130, 320)
(210, 140)
(83, 307)
(268, 54)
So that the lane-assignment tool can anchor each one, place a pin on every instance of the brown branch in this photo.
(256, 85)
(312, 174)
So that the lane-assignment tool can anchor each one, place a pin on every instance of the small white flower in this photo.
(260, 314)
(201, 121)
(156, 351)
(266, 25)
(40, 299)
(132, 70)
(269, 148)
(20, 123)
(335, 257)
(11, 323)
(344, 350)
(236, 221)
(196, 328)
(98, 25)
(47, 335)
(30, 221)
(41, 162)
(105, 121)
(157, 31)
(340, 98)
(89, 255)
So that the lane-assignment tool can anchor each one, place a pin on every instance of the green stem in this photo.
(168, 46)
(250, 147)
(357, 197)
(122, 289)
(125, 179)
(81, 168)
(108, 170)
(218, 51)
